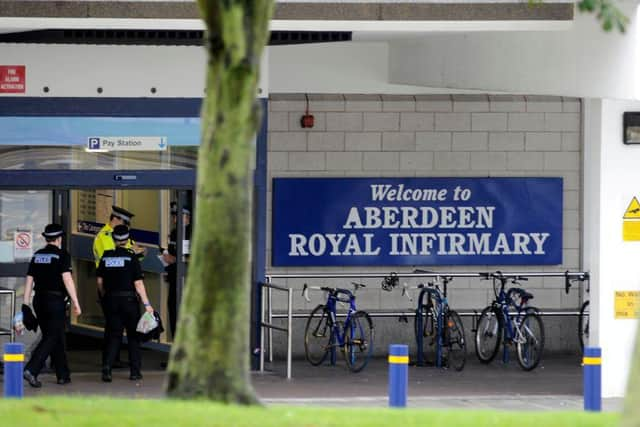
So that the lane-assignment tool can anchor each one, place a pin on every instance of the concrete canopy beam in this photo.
(362, 11)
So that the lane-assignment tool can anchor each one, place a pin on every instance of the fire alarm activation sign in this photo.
(13, 79)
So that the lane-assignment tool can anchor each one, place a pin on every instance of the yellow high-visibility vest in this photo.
(104, 242)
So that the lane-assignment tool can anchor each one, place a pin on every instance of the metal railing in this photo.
(267, 308)
(268, 322)
(462, 313)
(9, 331)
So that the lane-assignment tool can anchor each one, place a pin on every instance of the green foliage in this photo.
(607, 13)
(89, 412)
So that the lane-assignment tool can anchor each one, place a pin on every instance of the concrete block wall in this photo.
(433, 136)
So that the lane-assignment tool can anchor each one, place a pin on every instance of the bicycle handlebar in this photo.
(305, 292)
(578, 278)
(389, 282)
(305, 289)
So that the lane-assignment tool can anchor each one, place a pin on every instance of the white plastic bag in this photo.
(146, 323)
(18, 326)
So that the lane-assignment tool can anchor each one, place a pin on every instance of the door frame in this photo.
(59, 182)
(78, 179)
(21, 106)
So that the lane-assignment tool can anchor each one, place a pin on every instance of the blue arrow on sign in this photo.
(162, 143)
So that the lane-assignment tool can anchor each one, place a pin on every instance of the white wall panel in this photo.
(611, 179)
(582, 61)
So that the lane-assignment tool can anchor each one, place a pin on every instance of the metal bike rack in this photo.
(267, 314)
(268, 322)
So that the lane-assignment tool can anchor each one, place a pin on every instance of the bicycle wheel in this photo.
(530, 341)
(358, 341)
(583, 325)
(455, 345)
(488, 334)
(429, 332)
(317, 335)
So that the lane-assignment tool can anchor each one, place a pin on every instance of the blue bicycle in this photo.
(511, 320)
(324, 332)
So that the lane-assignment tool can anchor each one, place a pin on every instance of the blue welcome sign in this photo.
(416, 221)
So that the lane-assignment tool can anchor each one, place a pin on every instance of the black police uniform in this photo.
(119, 268)
(46, 267)
(172, 277)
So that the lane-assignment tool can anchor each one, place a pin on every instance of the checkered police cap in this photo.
(120, 233)
(52, 231)
(123, 214)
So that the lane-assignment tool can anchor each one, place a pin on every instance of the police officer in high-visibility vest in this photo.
(104, 242)
(50, 276)
(120, 284)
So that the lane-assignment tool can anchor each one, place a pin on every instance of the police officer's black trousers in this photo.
(123, 313)
(50, 310)
(107, 336)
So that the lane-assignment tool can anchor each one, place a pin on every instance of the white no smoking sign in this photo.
(22, 245)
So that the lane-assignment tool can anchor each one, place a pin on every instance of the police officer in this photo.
(170, 257)
(120, 283)
(50, 276)
(104, 242)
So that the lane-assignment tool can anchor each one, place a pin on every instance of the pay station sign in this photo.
(127, 143)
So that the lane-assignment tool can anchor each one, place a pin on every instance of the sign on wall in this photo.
(627, 304)
(127, 143)
(631, 222)
(416, 221)
(22, 244)
(13, 79)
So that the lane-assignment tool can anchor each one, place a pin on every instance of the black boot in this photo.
(31, 379)
(106, 375)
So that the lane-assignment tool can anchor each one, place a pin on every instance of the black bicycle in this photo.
(438, 329)
(583, 325)
(583, 317)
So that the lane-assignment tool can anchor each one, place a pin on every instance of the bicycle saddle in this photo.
(524, 295)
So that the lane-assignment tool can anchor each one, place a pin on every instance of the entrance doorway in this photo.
(81, 201)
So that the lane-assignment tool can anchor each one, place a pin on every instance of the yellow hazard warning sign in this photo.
(631, 222)
(627, 304)
(633, 210)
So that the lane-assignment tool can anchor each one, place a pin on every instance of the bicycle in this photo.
(498, 322)
(438, 329)
(583, 317)
(324, 333)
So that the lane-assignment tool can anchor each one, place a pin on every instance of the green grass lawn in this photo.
(91, 411)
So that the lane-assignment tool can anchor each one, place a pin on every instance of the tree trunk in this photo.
(210, 355)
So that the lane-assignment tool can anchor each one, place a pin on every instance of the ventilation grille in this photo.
(159, 37)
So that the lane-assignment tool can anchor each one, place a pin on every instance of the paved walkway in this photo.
(555, 385)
